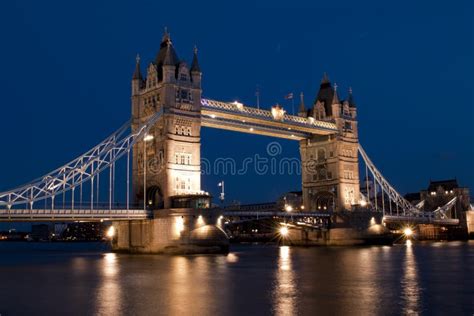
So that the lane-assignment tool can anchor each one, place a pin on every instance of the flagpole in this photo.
(257, 94)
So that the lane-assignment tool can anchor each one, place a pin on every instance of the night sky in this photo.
(66, 70)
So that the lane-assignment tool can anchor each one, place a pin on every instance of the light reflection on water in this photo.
(410, 288)
(285, 290)
(109, 293)
(250, 280)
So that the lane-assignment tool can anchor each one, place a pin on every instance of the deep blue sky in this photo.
(66, 70)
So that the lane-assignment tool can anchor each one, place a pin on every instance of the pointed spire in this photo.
(302, 107)
(325, 78)
(166, 39)
(195, 64)
(350, 99)
(137, 73)
(335, 98)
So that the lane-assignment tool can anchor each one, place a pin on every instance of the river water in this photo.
(87, 279)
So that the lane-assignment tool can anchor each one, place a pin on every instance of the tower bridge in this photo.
(161, 145)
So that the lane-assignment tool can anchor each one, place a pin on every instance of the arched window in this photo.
(321, 154)
(322, 174)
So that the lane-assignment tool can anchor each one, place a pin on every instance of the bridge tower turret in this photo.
(167, 163)
(330, 163)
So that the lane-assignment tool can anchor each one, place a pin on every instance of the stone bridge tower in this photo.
(330, 163)
(168, 160)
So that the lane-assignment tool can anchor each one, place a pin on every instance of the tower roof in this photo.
(325, 94)
(195, 64)
(137, 73)
(167, 55)
(350, 99)
(302, 108)
(325, 78)
(335, 98)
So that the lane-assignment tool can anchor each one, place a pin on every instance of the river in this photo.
(87, 279)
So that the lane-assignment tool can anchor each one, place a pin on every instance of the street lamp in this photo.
(147, 138)
(222, 195)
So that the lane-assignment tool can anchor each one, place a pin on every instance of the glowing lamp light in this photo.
(408, 232)
(110, 232)
(284, 231)
(288, 208)
(278, 112)
(200, 220)
(148, 137)
(179, 225)
(213, 116)
(363, 203)
(238, 105)
(302, 207)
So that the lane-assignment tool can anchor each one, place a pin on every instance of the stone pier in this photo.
(172, 231)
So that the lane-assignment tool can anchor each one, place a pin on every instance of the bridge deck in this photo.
(391, 219)
(41, 215)
(274, 213)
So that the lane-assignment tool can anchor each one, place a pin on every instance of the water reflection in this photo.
(109, 294)
(410, 286)
(285, 289)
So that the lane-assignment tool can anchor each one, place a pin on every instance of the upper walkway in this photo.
(276, 123)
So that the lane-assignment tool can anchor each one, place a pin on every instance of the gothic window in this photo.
(346, 110)
(348, 125)
(329, 175)
(182, 130)
(183, 185)
(182, 159)
(177, 183)
(183, 77)
(189, 131)
(315, 177)
(321, 154)
(322, 174)
(176, 158)
(189, 183)
(348, 196)
(331, 154)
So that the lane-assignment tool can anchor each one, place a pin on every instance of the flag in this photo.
(289, 96)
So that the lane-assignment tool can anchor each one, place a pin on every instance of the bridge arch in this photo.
(155, 197)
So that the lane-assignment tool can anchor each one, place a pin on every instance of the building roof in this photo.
(445, 184)
(166, 55)
(413, 197)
